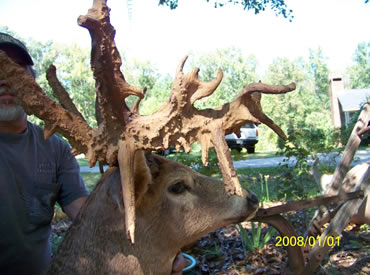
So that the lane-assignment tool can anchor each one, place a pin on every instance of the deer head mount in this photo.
(121, 131)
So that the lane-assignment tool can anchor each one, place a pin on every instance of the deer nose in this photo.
(253, 201)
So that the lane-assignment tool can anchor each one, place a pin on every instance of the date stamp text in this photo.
(304, 241)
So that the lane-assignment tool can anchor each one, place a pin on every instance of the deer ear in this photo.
(142, 174)
(146, 168)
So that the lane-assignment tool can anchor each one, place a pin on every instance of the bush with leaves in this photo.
(347, 130)
(303, 146)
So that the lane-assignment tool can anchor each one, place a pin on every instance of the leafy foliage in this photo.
(303, 145)
(238, 71)
(142, 74)
(359, 72)
(308, 106)
(278, 6)
(319, 71)
(347, 129)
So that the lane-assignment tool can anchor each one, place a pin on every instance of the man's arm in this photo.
(74, 207)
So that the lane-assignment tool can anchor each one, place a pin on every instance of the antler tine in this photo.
(229, 175)
(180, 68)
(126, 155)
(245, 108)
(250, 97)
(195, 89)
(135, 107)
(106, 63)
(204, 88)
(268, 89)
(60, 93)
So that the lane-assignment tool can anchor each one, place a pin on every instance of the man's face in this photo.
(9, 110)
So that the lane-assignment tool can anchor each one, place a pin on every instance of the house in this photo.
(345, 102)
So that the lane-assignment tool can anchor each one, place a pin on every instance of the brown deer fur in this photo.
(165, 221)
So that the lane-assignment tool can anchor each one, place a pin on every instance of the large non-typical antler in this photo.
(122, 132)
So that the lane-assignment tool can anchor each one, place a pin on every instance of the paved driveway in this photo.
(331, 159)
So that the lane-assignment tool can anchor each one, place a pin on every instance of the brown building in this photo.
(345, 102)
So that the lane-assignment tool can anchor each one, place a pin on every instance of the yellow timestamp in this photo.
(304, 241)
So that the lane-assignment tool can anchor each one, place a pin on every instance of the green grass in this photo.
(91, 179)
(83, 162)
(256, 179)
(243, 155)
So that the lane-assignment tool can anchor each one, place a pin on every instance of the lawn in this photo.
(91, 179)
(83, 162)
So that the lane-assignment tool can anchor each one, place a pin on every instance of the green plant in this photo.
(365, 228)
(330, 270)
(254, 242)
(302, 146)
(58, 213)
(55, 241)
(215, 251)
(82, 162)
(264, 188)
(90, 179)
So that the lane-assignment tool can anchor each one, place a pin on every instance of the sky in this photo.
(165, 36)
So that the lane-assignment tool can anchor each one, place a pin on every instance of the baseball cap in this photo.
(6, 39)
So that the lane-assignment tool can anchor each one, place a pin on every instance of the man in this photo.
(34, 175)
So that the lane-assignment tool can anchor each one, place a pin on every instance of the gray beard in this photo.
(11, 113)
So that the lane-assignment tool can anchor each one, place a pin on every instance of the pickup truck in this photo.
(248, 138)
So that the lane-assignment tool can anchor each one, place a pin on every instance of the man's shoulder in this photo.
(38, 132)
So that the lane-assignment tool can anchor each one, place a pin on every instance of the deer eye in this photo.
(178, 188)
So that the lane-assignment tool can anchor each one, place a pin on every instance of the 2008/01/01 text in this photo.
(304, 241)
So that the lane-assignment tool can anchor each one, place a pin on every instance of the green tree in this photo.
(143, 74)
(73, 69)
(238, 71)
(289, 109)
(278, 6)
(359, 72)
(320, 73)
(305, 108)
(140, 73)
(157, 96)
